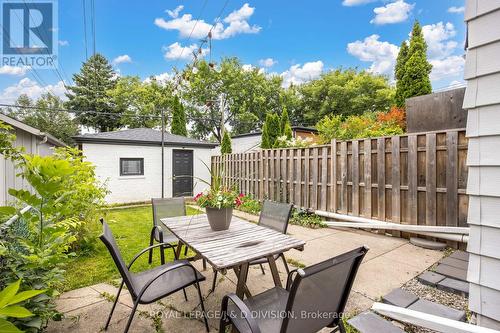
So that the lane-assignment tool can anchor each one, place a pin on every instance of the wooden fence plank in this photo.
(451, 179)
(396, 182)
(291, 175)
(284, 178)
(430, 179)
(298, 193)
(307, 179)
(412, 179)
(355, 177)
(381, 178)
(368, 177)
(343, 176)
(324, 178)
(333, 166)
(314, 176)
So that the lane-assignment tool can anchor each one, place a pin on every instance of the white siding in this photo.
(125, 189)
(482, 98)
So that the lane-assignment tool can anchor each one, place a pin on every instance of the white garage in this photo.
(130, 161)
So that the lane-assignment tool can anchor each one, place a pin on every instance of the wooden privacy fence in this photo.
(417, 179)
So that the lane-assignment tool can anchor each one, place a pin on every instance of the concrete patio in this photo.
(389, 264)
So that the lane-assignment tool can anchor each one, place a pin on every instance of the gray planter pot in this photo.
(219, 219)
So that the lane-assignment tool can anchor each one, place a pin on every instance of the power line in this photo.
(85, 29)
(92, 3)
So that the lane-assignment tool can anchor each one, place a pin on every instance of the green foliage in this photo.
(7, 138)
(306, 219)
(270, 131)
(414, 69)
(399, 72)
(225, 147)
(90, 93)
(265, 140)
(298, 142)
(42, 115)
(285, 126)
(10, 308)
(368, 125)
(250, 205)
(287, 131)
(179, 118)
(345, 92)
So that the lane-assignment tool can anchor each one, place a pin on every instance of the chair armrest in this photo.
(146, 250)
(289, 279)
(245, 311)
(177, 265)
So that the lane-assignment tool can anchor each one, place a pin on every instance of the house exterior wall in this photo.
(482, 99)
(125, 189)
(32, 145)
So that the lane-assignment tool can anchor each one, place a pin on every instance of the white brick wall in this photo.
(125, 189)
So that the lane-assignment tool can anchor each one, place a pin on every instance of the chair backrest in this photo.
(167, 207)
(275, 215)
(319, 293)
(109, 240)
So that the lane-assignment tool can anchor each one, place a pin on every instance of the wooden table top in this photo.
(242, 242)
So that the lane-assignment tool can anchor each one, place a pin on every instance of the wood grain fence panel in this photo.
(315, 178)
(324, 178)
(430, 179)
(451, 180)
(307, 178)
(368, 177)
(395, 182)
(291, 175)
(333, 166)
(343, 177)
(284, 177)
(381, 178)
(355, 177)
(412, 179)
(298, 192)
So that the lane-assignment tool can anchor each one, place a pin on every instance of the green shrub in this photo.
(250, 205)
(306, 219)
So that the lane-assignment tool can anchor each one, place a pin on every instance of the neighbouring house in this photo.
(34, 141)
(251, 141)
(130, 161)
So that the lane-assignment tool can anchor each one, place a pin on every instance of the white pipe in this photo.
(428, 321)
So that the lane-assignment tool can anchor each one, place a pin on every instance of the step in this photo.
(454, 286)
(457, 263)
(436, 309)
(369, 322)
(427, 244)
(430, 278)
(462, 255)
(453, 272)
(400, 297)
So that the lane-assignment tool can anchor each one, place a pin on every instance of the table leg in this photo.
(274, 271)
(178, 250)
(241, 287)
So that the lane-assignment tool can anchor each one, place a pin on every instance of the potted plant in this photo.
(219, 201)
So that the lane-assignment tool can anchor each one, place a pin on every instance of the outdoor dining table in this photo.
(233, 248)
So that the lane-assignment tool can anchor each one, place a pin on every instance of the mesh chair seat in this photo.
(269, 305)
(167, 284)
(168, 237)
(263, 260)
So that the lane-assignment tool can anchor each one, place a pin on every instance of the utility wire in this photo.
(92, 3)
(85, 29)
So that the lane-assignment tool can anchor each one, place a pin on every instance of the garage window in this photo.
(131, 166)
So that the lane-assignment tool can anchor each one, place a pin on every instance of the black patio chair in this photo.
(162, 208)
(151, 285)
(314, 298)
(273, 215)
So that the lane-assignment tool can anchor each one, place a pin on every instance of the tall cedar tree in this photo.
(225, 147)
(178, 118)
(271, 130)
(90, 93)
(284, 120)
(265, 141)
(415, 77)
(398, 74)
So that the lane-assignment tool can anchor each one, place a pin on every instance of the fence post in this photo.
(334, 190)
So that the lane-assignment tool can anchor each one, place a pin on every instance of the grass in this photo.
(131, 228)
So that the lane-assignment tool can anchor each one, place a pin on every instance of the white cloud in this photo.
(268, 62)
(122, 59)
(32, 89)
(382, 55)
(13, 70)
(394, 12)
(235, 23)
(63, 42)
(175, 13)
(456, 10)
(298, 74)
(161, 78)
(438, 40)
(449, 67)
(177, 51)
(356, 2)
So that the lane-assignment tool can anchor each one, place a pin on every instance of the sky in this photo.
(298, 40)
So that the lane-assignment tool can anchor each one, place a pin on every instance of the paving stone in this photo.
(369, 322)
(461, 264)
(430, 278)
(427, 244)
(460, 255)
(455, 286)
(436, 309)
(400, 297)
(453, 272)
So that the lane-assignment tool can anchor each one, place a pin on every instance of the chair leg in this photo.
(186, 251)
(202, 306)
(204, 265)
(214, 281)
(151, 239)
(262, 269)
(114, 305)
(285, 263)
(129, 322)
(162, 255)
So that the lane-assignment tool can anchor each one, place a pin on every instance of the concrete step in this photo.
(436, 309)
(462, 255)
(454, 286)
(400, 297)
(369, 322)
(453, 272)
(427, 244)
(430, 278)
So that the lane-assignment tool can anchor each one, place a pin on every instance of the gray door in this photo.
(182, 172)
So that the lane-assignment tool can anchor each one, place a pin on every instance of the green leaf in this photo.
(24, 295)
(8, 293)
(7, 210)
(8, 327)
(15, 311)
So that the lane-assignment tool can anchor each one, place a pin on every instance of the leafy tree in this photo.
(399, 72)
(345, 92)
(226, 144)
(45, 115)
(415, 77)
(179, 120)
(90, 93)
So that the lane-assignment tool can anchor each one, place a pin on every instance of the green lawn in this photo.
(131, 228)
